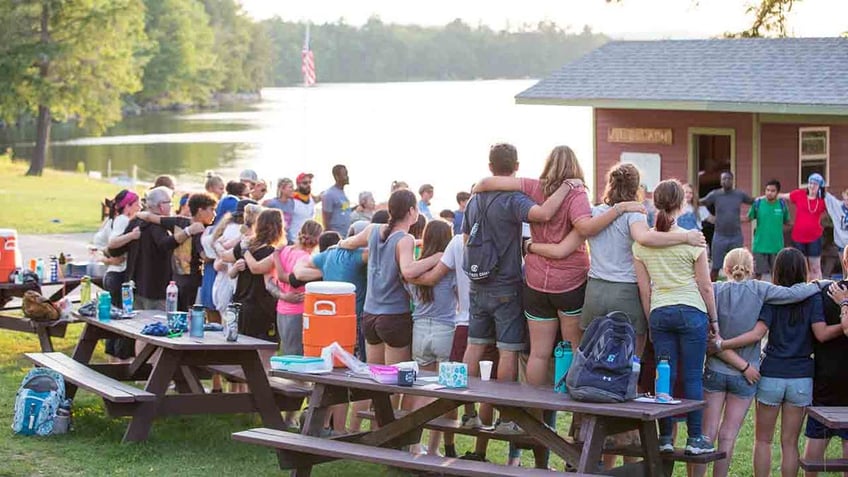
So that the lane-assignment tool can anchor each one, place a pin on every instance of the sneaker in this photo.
(471, 421)
(508, 427)
(699, 445)
(666, 444)
(473, 456)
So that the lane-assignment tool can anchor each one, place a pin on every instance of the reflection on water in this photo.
(434, 132)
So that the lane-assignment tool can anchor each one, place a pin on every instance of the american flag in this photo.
(308, 62)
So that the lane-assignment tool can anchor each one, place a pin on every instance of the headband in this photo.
(128, 199)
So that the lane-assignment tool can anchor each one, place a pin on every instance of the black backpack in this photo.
(481, 258)
(602, 370)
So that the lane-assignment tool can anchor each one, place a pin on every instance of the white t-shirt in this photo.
(452, 258)
(300, 214)
(119, 224)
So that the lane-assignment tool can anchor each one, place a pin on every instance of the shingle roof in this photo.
(777, 72)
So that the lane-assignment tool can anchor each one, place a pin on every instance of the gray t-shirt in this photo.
(504, 218)
(738, 305)
(336, 204)
(837, 213)
(611, 250)
(443, 306)
(728, 207)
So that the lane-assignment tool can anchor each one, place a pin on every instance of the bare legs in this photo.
(791, 419)
(734, 409)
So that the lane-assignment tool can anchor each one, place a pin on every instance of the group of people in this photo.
(415, 299)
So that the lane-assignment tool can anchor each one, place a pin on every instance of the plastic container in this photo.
(563, 356)
(663, 383)
(198, 320)
(177, 321)
(39, 270)
(85, 290)
(329, 315)
(171, 295)
(104, 306)
(298, 364)
(10, 256)
(384, 374)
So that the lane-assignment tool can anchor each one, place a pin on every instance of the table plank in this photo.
(509, 394)
(834, 417)
(212, 340)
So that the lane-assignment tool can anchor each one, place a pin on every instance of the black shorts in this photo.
(393, 330)
(541, 306)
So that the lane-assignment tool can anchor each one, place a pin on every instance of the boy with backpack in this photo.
(771, 214)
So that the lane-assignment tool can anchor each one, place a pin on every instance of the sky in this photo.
(634, 19)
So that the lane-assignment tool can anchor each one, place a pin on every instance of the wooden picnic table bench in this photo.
(833, 417)
(45, 330)
(164, 360)
(515, 401)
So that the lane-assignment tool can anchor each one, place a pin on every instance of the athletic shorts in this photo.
(393, 330)
(542, 306)
(764, 263)
(604, 297)
(811, 249)
(721, 245)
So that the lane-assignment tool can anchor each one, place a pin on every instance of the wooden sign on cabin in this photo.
(640, 135)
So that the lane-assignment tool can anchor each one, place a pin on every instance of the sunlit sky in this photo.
(634, 19)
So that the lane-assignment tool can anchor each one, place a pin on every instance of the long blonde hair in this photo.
(560, 165)
(739, 264)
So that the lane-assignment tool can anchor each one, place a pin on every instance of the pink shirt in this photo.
(289, 256)
(549, 275)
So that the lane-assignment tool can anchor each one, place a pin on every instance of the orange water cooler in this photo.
(10, 256)
(329, 314)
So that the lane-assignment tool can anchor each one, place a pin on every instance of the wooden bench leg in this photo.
(163, 373)
(654, 466)
(44, 339)
(83, 352)
(593, 446)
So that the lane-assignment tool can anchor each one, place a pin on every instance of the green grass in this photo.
(189, 446)
(31, 204)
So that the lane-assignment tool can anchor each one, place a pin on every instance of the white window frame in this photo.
(802, 181)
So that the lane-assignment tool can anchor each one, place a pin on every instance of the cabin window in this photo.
(813, 153)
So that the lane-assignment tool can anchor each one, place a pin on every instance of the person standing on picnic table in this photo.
(677, 296)
(187, 264)
(727, 202)
(807, 229)
(838, 211)
(771, 213)
(148, 257)
(335, 207)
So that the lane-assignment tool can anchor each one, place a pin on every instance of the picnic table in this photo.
(515, 401)
(834, 417)
(45, 330)
(163, 360)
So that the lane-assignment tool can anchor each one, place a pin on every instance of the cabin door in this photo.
(711, 153)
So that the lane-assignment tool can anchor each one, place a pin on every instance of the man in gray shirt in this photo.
(336, 207)
(728, 224)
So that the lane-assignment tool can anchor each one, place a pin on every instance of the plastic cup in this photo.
(486, 370)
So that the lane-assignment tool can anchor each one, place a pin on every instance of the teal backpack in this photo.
(41, 394)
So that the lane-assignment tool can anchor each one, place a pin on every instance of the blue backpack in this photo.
(41, 394)
(602, 370)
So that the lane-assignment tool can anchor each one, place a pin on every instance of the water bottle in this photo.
(39, 269)
(104, 306)
(198, 320)
(635, 370)
(54, 269)
(563, 355)
(231, 318)
(171, 297)
(85, 289)
(663, 384)
(127, 298)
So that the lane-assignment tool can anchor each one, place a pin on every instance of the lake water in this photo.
(428, 132)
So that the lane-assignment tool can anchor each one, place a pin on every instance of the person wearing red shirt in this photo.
(807, 229)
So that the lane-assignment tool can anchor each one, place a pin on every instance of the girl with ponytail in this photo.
(677, 296)
(387, 321)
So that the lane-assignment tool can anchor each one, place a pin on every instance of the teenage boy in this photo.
(426, 193)
(462, 200)
(771, 214)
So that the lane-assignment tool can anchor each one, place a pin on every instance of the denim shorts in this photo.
(817, 430)
(497, 316)
(737, 385)
(432, 341)
(793, 391)
(811, 249)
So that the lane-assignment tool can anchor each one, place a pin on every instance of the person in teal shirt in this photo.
(771, 214)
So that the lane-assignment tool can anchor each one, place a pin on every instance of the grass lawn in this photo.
(186, 446)
(33, 204)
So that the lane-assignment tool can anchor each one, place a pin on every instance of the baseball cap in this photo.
(817, 178)
(242, 204)
(248, 175)
(304, 175)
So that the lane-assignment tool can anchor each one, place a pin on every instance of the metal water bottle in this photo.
(54, 269)
(171, 297)
(663, 383)
(563, 356)
(198, 320)
(231, 318)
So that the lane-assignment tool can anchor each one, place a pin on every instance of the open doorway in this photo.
(712, 153)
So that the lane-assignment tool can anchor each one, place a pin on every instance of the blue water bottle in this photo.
(104, 306)
(663, 384)
(563, 355)
(198, 320)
